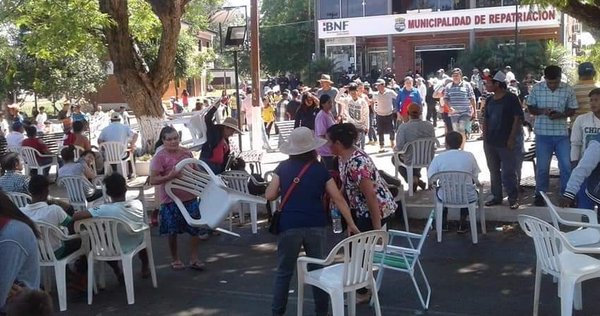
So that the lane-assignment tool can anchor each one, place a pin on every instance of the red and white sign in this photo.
(442, 21)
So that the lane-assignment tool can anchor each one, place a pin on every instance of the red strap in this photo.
(293, 185)
(3, 222)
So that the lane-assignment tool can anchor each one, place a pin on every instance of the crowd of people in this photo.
(327, 158)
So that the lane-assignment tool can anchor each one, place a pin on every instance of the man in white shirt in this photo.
(510, 76)
(384, 111)
(3, 125)
(356, 111)
(41, 118)
(15, 137)
(40, 211)
(455, 159)
(118, 132)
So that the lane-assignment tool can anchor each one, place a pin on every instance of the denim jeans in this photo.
(545, 147)
(503, 164)
(372, 131)
(288, 248)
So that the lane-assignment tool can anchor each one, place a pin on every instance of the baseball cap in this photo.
(586, 69)
(380, 81)
(499, 76)
(414, 108)
(115, 116)
(17, 126)
(456, 71)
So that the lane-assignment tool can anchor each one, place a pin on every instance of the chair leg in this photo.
(409, 179)
(439, 212)
(567, 289)
(378, 281)
(337, 303)
(536, 293)
(352, 302)
(151, 259)
(473, 220)
(482, 213)
(300, 297)
(404, 213)
(577, 298)
(61, 285)
(376, 299)
(253, 217)
(128, 275)
(91, 279)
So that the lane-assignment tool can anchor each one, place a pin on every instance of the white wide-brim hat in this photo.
(300, 141)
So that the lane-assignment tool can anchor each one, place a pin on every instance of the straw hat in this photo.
(300, 141)
(231, 123)
(325, 78)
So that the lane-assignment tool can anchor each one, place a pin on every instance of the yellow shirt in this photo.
(582, 90)
(268, 114)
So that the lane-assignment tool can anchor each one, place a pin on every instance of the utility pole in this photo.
(316, 23)
(516, 60)
(255, 53)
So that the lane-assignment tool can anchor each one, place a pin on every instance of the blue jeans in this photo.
(503, 165)
(288, 248)
(545, 147)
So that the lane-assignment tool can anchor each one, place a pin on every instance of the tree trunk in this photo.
(143, 91)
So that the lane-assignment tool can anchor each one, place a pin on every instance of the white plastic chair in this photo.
(105, 246)
(78, 151)
(422, 152)
(454, 187)
(114, 153)
(557, 257)
(20, 199)
(12, 149)
(217, 200)
(405, 259)
(48, 259)
(588, 233)
(30, 156)
(238, 180)
(197, 127)
(77, 187)
(355, 272)
(400, 197)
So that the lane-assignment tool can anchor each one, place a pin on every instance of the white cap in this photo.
(500, 77)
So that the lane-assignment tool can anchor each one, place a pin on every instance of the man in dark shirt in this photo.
(502, 140)
(293, 105)
(64, 113)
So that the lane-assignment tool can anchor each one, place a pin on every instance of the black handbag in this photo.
(274, 226)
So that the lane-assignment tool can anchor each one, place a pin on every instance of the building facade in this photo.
(366, 36)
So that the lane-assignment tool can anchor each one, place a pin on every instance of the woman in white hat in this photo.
(303, 222)
(216, 149)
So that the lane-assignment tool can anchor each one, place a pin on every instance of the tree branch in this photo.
(586, 13)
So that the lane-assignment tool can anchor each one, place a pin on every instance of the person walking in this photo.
(185, 98)
(305, 115)
(431, 102)
(356, 111)
(384, 111)
(585, 128)
(407, 95)
(369, 198)
(323, 122)
(552, 102)
(302, 182)
(268, 115)
(460, 98)
(502, 139)
(294, 104)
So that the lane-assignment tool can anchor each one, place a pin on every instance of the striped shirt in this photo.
(12, 181)
(559, 100)
(458, 97)
(582, 91)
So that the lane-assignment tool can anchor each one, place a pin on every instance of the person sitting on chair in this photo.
(72, 168)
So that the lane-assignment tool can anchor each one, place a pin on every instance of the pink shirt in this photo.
(163, 163)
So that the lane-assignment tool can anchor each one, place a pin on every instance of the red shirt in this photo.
(218, 154)
(69, 139)
(37, 144)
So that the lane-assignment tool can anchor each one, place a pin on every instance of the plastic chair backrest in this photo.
(553, 212)
(217, 199)
(422, 151)
(78, 151)
(104, 237)
(30, 155)
(358, 255)
(548, 241)
(44, 245)
(76, 188)
(453, 186)
(114, 152)
(12, 149)
(237, 180)
(20, 199)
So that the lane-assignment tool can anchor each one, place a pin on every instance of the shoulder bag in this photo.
(274, 226)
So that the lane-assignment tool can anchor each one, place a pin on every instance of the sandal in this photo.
(197, 266)
(177, 265)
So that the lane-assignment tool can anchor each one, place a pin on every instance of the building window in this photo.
(401, 6)
(352, 8)
(376, 7)
(329, 9)
(495, 3)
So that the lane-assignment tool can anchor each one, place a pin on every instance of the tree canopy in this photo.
(586, 11)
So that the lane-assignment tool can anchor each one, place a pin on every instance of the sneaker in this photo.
(514, 205)
(371, 143)
(539, 201)
(493, 202)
